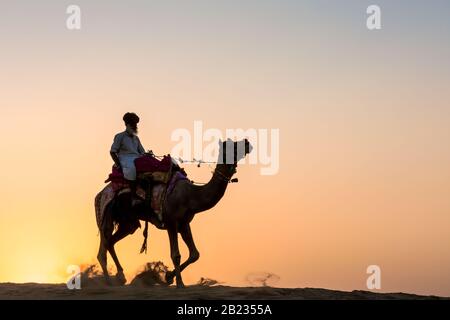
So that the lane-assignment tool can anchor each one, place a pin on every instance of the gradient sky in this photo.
(364, 134)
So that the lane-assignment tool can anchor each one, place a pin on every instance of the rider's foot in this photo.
(160, 218)
(135, 224)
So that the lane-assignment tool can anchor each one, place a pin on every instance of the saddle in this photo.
(154, 178)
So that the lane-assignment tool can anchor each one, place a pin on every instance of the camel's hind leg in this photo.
(124, 230)
(102, 256)
(106, 231)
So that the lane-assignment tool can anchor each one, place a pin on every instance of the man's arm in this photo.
(115, 149)
(115, 159)
(141, 149)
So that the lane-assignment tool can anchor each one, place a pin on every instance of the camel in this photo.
(180, 207)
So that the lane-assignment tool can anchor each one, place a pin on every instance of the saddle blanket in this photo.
(159, 193)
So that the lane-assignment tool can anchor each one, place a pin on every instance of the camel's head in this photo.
(231, 152)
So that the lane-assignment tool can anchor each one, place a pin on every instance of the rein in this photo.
(200, 162)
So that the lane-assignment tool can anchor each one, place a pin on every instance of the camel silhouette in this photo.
(180, 207)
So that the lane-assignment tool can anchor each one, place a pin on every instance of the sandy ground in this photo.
(60, 291)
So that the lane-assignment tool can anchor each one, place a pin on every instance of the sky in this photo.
(364, 175)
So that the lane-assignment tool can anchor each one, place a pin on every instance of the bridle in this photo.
(226, 177)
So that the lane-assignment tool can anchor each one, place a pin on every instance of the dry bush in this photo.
(262, 279)
(153, 274)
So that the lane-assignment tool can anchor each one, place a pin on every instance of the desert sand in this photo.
(60, 291)
(149, 284)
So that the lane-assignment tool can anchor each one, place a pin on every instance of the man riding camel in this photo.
(125, 149)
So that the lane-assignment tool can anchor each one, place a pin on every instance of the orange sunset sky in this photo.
(363, 116)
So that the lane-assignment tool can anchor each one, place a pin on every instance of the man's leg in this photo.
(148, 200)
(134, 200)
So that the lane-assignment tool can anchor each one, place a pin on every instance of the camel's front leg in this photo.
(194, 255)
(175, 255)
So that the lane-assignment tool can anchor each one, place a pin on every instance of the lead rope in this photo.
(198, 162)
(145, 233)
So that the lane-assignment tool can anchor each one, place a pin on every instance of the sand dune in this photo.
(60, 291)
(150, 284)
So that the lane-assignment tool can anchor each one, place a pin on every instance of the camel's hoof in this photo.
(120, 278)
(107, 280)
(180, 285)
(169, 277)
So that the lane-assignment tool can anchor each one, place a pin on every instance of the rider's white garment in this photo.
(128, 148)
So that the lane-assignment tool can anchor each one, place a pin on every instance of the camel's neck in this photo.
(207, 196)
